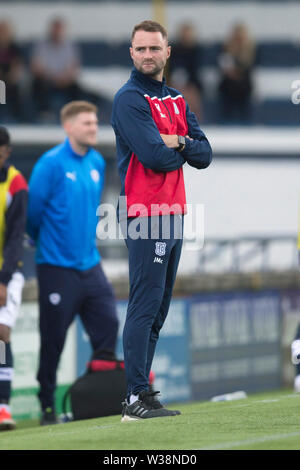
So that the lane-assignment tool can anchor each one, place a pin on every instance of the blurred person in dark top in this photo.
(55, 65)
(184, 66)
(236, 63)
(11, 68)
(13, 208)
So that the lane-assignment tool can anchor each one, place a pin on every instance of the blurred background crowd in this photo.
(41, 77)
(238, 78)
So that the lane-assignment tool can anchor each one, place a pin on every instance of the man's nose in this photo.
(148, 54)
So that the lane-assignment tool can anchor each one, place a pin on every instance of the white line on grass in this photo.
(251, 401)
(54, 432)
(246, 442)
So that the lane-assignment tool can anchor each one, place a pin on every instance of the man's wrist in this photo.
(181, 143)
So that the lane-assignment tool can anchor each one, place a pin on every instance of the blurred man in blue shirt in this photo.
(64, 193)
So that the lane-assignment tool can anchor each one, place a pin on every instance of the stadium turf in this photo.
(264, 421)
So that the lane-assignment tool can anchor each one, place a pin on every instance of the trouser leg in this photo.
(58, 291)
(6, 372)
(148, 267)
(8, 317)
(98, 310)
(164, 308)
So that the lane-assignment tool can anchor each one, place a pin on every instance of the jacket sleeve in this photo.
(40, 187)
(133, 122)
(197, 152)
(15, 220)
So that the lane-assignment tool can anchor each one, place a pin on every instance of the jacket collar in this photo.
(72, 152)
(147, 82)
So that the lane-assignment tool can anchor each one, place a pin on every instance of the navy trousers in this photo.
(153, 264)
(62, 294)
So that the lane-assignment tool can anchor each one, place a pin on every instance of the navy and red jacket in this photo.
(151, 173)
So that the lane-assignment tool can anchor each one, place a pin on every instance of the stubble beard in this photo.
(154, 72)
(85, 143)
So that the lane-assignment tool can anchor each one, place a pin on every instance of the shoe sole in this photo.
(127, 419)
(7, 425)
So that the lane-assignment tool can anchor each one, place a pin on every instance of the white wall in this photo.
(246, 197)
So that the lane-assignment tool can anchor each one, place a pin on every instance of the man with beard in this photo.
(155, 135)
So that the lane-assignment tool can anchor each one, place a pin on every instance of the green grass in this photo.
(264, 421)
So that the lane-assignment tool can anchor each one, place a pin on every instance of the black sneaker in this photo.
(141, 410)
(151, 400)
(48, 417)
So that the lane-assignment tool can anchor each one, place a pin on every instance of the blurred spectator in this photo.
(184, 65)
(11, 68)
(55, 65)
(236, 63)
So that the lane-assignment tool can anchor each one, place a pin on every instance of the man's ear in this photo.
(6, 154)
(131, 51)
(67, 126)
(168, 51)
(9, 150)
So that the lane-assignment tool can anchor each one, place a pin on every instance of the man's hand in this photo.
(3, 295)
(171, 141)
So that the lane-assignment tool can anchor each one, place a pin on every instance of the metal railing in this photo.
(243, 250)
(218, 254)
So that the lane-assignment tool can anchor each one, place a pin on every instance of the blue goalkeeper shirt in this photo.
(64, 193)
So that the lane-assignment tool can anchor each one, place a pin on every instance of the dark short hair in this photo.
(76, 107)
(150, 27)
(4, 136)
